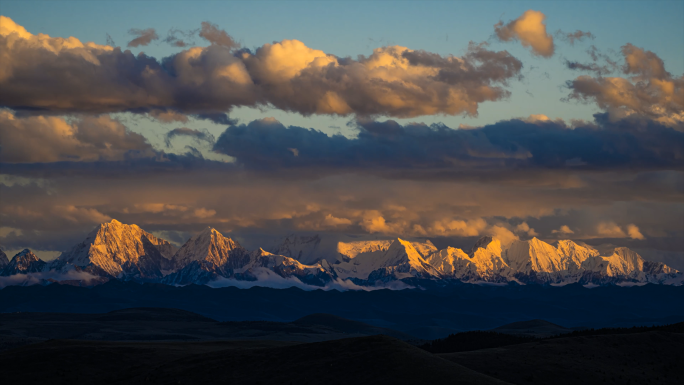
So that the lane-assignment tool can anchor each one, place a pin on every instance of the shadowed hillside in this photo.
(364, 360)
(635, 358)
(157, 324)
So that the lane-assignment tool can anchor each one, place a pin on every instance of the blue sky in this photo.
(350, 28)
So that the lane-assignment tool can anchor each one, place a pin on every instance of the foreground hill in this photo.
(648, 355)
(164, 324)
(533, 328)
(363, 360)
(635, 358)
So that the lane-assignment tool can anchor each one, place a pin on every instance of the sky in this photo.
(438, 120)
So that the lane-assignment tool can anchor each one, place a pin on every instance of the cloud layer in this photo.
(55, 75)
(505, 147)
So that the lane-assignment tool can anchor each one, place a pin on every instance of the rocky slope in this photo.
(3, 259)
(121, 251)
(209, 256)
(400, 261)
(23, 263)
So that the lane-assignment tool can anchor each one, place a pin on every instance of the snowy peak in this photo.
(400, 260)
(305, 249)
(534, 255)
(449, 261)
(3, 259)
(623, 262)
(573, 254)
(481, 243)
(22, 263)
(116, 248)
(209, 245)
(347, 251)
(483, 263)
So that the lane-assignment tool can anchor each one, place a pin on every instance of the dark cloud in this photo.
(130, 167)
(179, 38)
(477, 66)
(504, 147)
(572, 37)
(217, 117)
(588, 67)
(46, 76)
(197, 135)
(211, 33)
(110, 41)
(143, 36)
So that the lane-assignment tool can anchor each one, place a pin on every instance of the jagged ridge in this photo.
(116, 250)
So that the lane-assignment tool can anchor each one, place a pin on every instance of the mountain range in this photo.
(114, 250)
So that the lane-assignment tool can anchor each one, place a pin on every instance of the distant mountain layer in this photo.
(116, 250)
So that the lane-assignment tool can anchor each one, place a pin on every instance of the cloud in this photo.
(572, 37)
(455, 227)
(503, 234)
(46, 277)
(43, 74)
(217, 117)
(172, 37)
(590, 67)
(612, 230)
(650, 91)
(50, 139)
(530, 30)
(80, 214)
(634, 232)
(563, 230)
(143, 36)
(204, 213)
(505, 147)
(525, 228)
(333, 221)
(267, 278)
(211, 33)
(276, 204)
(168, 116)
(197, 135)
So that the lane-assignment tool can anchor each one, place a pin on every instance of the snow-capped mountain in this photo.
(306, 249)
(211, 246)
(310, 249)
(624, 265)
(400, 261)
(116, 250)
(205, 257)
(482, 263)
(120, 250)
(3, 259)
(209, 255)
(318, 274)
(23, 263)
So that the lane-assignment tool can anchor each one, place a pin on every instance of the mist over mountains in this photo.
(114, 250)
